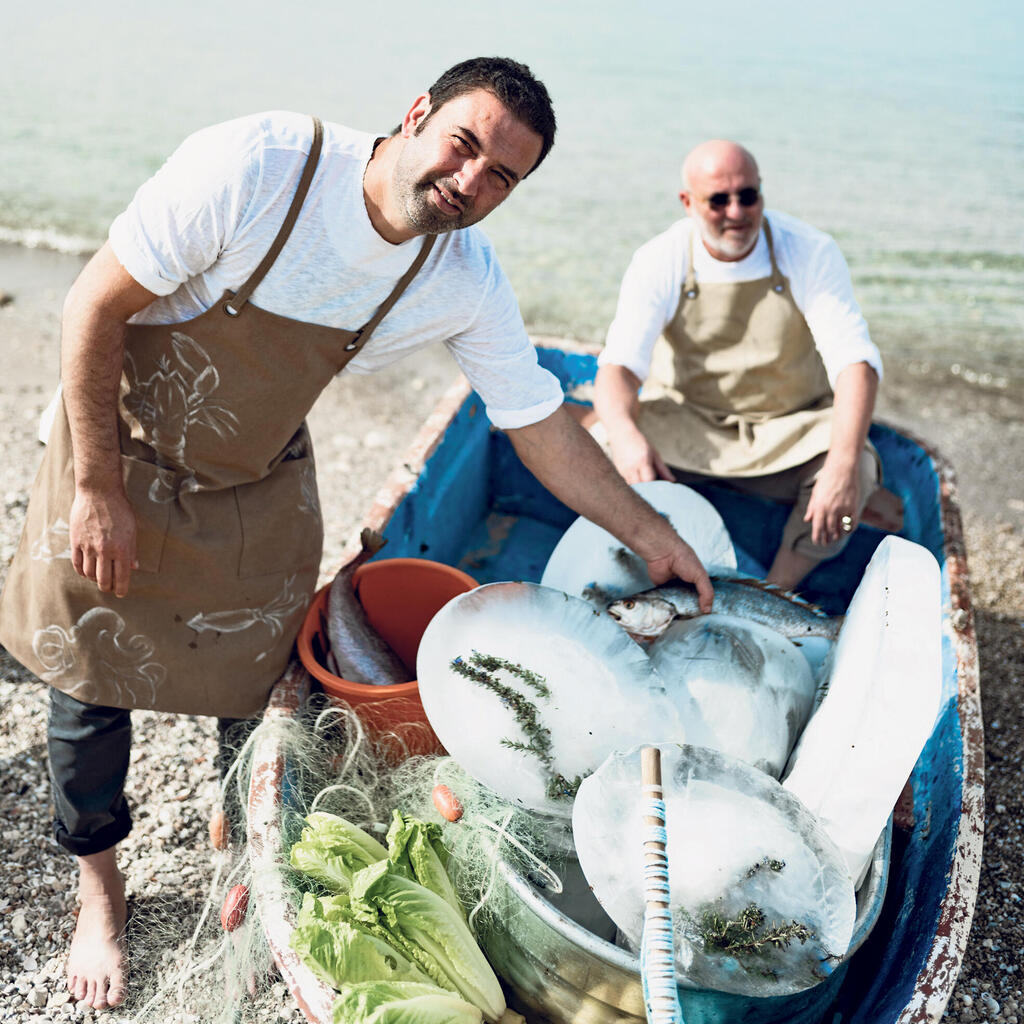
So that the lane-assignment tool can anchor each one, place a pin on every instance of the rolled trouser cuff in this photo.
(88, 747)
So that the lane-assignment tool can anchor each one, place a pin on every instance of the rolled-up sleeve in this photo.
(499, 360)
(648, 297)
(183, 217)
(833, 315)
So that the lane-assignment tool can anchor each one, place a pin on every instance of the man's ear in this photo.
(416, 114)
(686, 199)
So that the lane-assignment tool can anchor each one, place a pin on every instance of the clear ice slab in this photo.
(530, 689)
(749, 868)
(740, 687)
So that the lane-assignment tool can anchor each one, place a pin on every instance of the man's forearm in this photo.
(569, 463)
(853, 407)
(92, 352)
(616, 399)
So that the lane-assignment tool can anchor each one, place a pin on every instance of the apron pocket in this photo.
(147, 489)
(282, 530)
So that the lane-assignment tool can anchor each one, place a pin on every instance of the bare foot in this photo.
(95, 969)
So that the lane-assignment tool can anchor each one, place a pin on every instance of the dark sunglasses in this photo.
(746, 196)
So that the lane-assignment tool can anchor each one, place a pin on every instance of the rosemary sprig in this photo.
(747, 932)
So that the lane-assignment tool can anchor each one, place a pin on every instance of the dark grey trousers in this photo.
(88, 749)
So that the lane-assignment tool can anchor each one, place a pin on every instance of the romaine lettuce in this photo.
(402, 1003)
(342, 953)
(428, 930)
(415, 848)
(331, 849)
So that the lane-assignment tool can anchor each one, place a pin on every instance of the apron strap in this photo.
(233, 306)
(778, 281)
(690, 284)
(362, 336)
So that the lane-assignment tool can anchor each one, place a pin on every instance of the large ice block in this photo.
(740, 687)
(530, 689)
(762, 902)
(881, 698)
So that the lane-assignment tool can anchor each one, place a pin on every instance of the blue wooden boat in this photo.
(463, 498)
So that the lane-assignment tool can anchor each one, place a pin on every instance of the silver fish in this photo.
(648, 614)
(360, 653)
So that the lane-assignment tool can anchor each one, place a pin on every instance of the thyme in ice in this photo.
(480, 669)
(767, 862)
(748, 933)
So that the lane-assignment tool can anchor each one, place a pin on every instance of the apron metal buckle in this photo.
(692, 293)
(354, 343)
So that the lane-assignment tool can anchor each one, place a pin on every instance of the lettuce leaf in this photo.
(385, 1002)
(428, 930)
(342, 953)
(331, 850)
(416, 849)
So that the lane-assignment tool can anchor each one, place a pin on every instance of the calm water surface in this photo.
(897, 128)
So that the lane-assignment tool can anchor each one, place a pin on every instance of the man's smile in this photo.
(448, 201)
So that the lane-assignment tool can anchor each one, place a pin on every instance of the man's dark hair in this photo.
(512, 83)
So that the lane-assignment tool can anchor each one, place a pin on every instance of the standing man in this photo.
(173, 537)
(768, 378)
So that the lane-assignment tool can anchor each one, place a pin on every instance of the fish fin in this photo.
(371, 540)
(788, 595)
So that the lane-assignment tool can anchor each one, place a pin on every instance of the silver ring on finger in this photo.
(846, 523)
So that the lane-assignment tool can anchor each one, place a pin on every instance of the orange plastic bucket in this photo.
(400, 597)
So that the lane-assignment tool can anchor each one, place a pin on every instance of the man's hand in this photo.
(102, 536)
(835, 495)
(683, 563)
(568, 462)
(636, 458)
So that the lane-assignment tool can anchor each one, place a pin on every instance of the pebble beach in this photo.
(361, 427)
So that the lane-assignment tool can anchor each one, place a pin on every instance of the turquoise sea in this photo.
(897, 127)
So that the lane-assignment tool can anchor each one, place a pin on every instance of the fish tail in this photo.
(371, 541)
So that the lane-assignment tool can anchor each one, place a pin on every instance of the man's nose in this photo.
(469, 176)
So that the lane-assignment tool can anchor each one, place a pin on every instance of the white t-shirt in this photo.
(819, 281)
(204, 221)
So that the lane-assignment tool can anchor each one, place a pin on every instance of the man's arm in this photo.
(617, 405)
(835, 492)
(567, 461)
(102, 527)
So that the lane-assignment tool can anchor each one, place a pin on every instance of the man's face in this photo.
(730, 229)
(461, 162)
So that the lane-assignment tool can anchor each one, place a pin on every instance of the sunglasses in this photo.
(746, 196)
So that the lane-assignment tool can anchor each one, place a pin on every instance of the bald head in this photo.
(722, 193)
(716, 157)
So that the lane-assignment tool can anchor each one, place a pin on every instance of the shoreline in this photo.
(361, 427)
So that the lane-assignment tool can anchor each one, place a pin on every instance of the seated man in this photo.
(768, 377)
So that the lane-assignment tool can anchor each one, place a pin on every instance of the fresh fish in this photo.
(361, 655)
(648, 614)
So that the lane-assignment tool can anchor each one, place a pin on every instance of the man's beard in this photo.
(726, 244)
(421, 211)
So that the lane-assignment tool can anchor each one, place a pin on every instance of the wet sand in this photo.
(361, 426)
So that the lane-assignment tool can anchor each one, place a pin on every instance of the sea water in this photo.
(898, 128)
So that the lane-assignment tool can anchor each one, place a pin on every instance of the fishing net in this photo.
(185, 968)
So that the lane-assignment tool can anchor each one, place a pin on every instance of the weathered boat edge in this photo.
(936, 980)
(266, 850)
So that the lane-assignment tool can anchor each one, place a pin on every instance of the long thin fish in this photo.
(649, 614)
(361, 654)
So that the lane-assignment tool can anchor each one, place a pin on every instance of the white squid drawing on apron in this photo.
(274, 615)
(54, 543)
(126, 662)
(174, 400)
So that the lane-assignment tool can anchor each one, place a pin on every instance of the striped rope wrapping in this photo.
(657, 950)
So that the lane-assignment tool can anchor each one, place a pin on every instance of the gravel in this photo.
(361, 426)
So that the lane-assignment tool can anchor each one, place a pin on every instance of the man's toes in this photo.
(115, 991)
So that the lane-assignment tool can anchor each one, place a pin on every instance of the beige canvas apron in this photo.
(218, 467)
(737, 385)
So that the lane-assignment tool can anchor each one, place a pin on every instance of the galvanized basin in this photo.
(557, 969)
